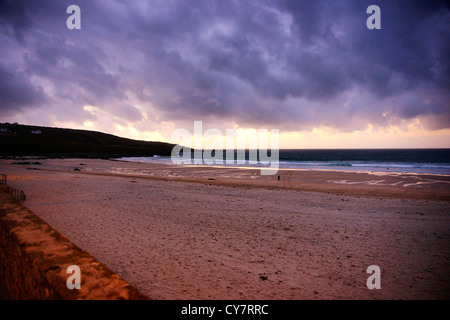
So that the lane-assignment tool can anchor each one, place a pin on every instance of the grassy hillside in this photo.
(17, 140)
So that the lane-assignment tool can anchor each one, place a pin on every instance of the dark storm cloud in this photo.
(287, 64)
(17, 93)
(12, 14)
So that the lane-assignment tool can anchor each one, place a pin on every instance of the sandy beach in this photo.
(187, 232)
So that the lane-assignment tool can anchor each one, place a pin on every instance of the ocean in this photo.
(435, 161)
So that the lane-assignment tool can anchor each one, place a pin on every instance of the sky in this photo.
(311, 69)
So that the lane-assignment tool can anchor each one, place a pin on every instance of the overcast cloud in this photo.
(292, 65)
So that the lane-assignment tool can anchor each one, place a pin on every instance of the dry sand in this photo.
(174, 234)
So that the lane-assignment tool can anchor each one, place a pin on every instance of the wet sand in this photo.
(218, 233)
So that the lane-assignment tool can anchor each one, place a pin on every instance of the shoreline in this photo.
(356, 183)
(345, 165)
(287, 169)
(294, 167)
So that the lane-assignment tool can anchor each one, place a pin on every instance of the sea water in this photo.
(435, 161)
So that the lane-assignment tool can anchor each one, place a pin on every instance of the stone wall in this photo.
(34, 259)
